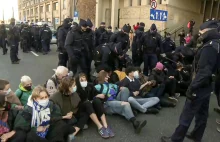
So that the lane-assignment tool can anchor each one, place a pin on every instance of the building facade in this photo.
(119, 12)
(54, 11)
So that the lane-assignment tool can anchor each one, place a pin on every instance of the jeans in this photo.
(142, 104)
(115, 107)
(150, 61)
(123, 95)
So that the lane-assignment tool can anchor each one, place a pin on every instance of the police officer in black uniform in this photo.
(168, 45)
(74, 47)
(25, 38)
(13, 40)
(36, 35)
(3, 36)
(99, 32)
(151, 42)
(45, 36)
(198, 94)
(62, 33)
(105, 37)
(137, 53)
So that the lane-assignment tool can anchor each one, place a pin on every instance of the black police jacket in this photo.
(122, 38)
(25, 34)
(74, 43)
(151, 43)
(168, 45)
(62, 34)
(45, 34)
(3, 33)
(13, 36)
(207, 61)
(89, 39)
(98, 34)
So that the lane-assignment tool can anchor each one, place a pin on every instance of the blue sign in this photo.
(76, 14)
(158, 15)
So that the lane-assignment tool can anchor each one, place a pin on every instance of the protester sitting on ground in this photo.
(52, 84)
(167, 84)
(110, 94)
(86, 93)
(41, 119)
(75, 112)
(11, 97)
(7, 116)
(143, 105)
(25, 90)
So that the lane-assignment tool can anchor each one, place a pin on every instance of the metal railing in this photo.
(174, 32)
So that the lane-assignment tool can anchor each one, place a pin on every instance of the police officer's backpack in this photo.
(98, 53)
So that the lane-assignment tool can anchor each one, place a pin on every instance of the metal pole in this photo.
(218, 10)
(210, 16)
(204, 7)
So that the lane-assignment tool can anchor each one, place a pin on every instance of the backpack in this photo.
(97, 57)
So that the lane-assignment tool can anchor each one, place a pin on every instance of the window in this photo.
(41, 9)
(27, 12)
(48, 8)
(64, 4)
(36, 10)
(32, 12)
(55, 6)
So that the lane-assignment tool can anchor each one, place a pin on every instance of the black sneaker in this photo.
(152, 111)
(139, 125)
(15, 62)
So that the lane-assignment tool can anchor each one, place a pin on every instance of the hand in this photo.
(136, 93)
(124, 103)
(41, 129)
(7, 136)
(148, 83)
(68, 116)
(190, 95)
(171, 77)
(101, 96)
(19, 107)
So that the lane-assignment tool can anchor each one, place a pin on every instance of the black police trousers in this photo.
(3, 45)
(197, 108)
(63, 59)
(14, 52)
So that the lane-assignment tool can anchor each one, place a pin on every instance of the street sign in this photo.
(56, 21)
(158, 15)
(76, 14)
(153, 4)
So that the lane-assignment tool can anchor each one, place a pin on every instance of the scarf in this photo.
(40, 116)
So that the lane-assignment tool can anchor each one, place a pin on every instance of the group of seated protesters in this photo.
(58, 110)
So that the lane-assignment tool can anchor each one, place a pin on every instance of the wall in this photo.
(133, 15)
(189, 5)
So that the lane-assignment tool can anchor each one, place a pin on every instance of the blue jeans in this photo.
(142, 104)
(115, 107)
(123, 95)
(150, 61)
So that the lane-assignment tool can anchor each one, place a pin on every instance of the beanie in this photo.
(159, 66)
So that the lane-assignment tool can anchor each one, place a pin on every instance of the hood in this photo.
(210, 35)
(140, 28)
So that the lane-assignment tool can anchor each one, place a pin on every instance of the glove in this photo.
(190, 95)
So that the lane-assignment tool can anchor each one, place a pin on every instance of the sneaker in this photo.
(104, 134)
(173, 99)
(85, 127)
(139, 125)
(218, 129)
(152, 111)
(70, 138)
(166, 139)
(177, 95)
(110, 132)
(15, 62)
(218, 121)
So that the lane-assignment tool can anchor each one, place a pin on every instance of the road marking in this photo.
(34, 53)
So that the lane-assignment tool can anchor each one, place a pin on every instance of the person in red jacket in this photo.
(136, 27)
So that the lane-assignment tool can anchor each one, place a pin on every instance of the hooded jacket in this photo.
(23, 94)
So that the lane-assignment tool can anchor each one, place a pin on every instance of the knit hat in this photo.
(82, 23)
(89, 23)
(153, 27)
(125, 29)
(159, 66)
(142, 24)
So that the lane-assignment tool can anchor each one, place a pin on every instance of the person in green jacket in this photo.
(25, 90)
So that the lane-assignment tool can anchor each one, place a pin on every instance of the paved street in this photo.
(39, 68)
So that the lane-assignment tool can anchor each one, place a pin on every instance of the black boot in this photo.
(152, 111)
(190, 136)
(138, 125)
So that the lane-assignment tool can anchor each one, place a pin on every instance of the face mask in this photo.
(136, 75)
(74, 89)
(8, 92)
(28, 88)
(84, 84)
(43, 103)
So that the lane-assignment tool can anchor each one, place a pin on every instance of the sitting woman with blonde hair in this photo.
(42, 119)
